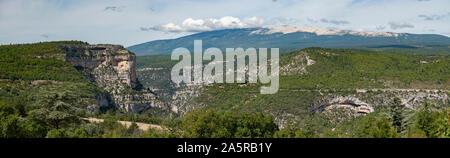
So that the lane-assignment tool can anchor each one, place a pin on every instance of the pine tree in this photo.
(396, 109)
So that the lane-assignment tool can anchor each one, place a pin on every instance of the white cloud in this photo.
(380, 27)
(114, 8)
(292, 29)
(400, 25)
(170, 27)
(335, 22)
(23, 21)
(433, 17)
(199, 25)
(254, 22)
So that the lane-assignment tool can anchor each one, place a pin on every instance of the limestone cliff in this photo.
(108, 63)
(113, 68)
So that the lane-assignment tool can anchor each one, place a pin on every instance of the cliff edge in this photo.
(113, 68)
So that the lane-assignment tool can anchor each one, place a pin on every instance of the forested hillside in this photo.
(43, 96)
(312, 76)
(350, 75)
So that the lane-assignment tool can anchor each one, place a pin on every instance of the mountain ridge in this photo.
(291, 38)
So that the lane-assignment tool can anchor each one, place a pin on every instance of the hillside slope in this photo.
(47, 88)
(297, 39)
(315, 80)
(327, 92)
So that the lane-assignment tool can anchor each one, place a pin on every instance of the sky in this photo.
(130, 22)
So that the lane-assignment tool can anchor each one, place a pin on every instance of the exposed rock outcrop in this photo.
(297, 64)
(107, 63)
(138, 103)
(412, 99)
(361, 103)
(103, 100)
(113, 68)
(352, 103)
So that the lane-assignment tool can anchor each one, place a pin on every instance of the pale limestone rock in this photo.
(113, 68)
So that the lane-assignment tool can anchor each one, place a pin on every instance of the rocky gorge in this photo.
(113, 68)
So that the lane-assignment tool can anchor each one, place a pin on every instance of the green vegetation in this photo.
(155, 61)
(418, 49)
(351, 69)
(210, 124)
(431, 124)
(37, 62)
(423, 124)
(397, 114)
(340, 72)
(373, 127)
(41, 96)
(154, 73)
(336, 72)
(39, 92)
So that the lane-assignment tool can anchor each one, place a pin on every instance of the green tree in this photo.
(156, 133)
(55, 112)
(13, 126)
(396, 110)
(255, 126)
(372, 127)
(308, 130)
(210, 124)
(426, 120)
(133, 130)
(444, 124)
(335, 133)
(79, 133)
(287, 132)
(206, 124)
(57, 133)
(414, 132)
(113, 129)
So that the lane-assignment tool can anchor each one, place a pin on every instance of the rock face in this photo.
(352, 103)
(109, 63)
(297, 64)
(137, 103)
(113, 68)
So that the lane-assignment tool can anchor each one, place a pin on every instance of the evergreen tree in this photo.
(396, 110)
(426, 120)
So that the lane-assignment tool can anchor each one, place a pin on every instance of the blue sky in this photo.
(129, 22)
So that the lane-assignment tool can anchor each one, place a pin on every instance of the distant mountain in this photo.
(288, 38)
